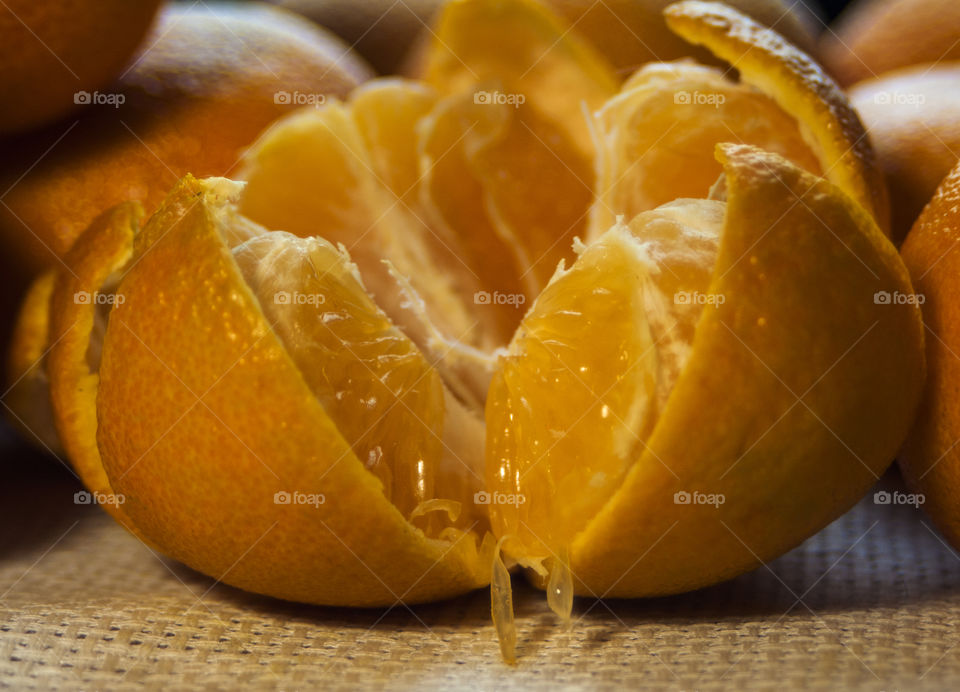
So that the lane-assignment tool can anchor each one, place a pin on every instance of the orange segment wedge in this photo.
(656, 138)
(519, 49)
(792, 396)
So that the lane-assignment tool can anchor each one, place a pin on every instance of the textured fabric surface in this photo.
(870, 603)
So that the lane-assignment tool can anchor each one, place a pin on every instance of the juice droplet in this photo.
(501, 606)
(560, 587)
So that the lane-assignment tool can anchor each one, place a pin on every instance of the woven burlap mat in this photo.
(871, 602)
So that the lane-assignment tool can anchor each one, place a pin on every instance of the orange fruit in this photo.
(205, 85)
(872, 37)
(364, 382)
(382, 31)
(312, 500)
(52, 52)
(748, 389)
(930, 460)
(913, 117)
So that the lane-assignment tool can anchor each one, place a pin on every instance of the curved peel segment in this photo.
(800, 86)
(26, 400)
(81, 298)
(300, 518)
(797, 395)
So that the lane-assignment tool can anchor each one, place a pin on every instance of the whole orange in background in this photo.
(50, 51)
(382, 31)
(913, 118)
(874, 36)
(930, 460)
(208, 82)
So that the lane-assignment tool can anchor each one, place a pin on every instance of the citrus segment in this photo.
(510, 186)
(656, 138)
(800, 87)
(339, 171)
(385, 399)
(606, 339)
(307, 520)
(525, 49)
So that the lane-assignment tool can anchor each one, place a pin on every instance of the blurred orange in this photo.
(382, 31)
(207, 83)
(874, 36)
(913, 118)
(931, 457)
(51, 51)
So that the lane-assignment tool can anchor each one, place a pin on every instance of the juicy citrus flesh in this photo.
(520, 49)
(608, 338)
(379, 390)
(656, 138)
(456, 212)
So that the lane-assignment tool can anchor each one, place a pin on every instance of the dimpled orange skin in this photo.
(100, 252)
(913, 117)
(786, 469)
(182, 410)
(195, 99)
(930, 460)
(872, 37)
(49, 51)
